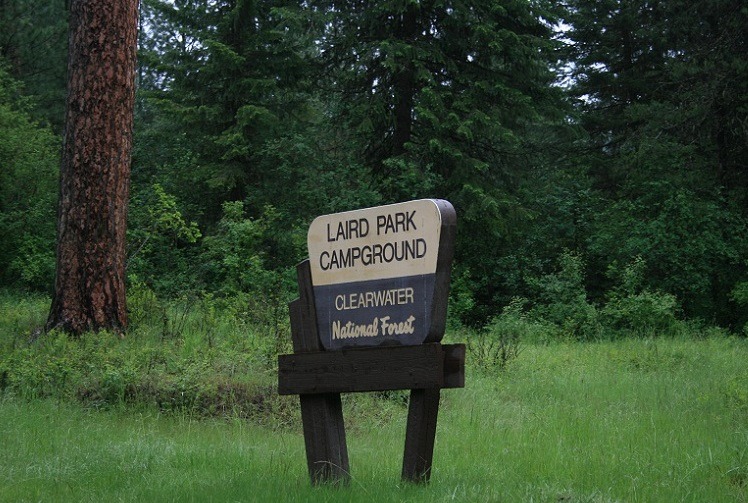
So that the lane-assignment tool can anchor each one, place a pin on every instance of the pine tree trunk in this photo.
(95, 170)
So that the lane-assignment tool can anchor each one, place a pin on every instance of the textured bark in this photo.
(95, 171)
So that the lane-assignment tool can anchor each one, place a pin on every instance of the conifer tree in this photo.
(95, 172)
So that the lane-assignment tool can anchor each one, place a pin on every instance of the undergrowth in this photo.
(207, 356)
(192, 356)
(196, 356)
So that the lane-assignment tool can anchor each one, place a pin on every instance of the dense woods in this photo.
(596, 152)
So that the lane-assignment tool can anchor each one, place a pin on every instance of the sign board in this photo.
(377, 279)
(381, 275)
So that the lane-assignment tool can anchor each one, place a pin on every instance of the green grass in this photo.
(625, 421)
(634, 420)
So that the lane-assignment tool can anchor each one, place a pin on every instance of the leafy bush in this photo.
(461, 301)
(682, 235)
(29, 163)
(630, 310)
(739, 295)
(563, 300)
(161, 242)
(500, 341)
(633, 309)
(236, 258)
(233, 256)
(642, 314)
(143, 307)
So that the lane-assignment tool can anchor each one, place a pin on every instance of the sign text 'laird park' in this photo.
(381, 275)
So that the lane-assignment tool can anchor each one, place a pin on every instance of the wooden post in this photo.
(420, 434)
(321, 414)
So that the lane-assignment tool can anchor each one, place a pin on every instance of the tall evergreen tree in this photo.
(226, 73)
(95, 172)
(228, 113)
(662, 94)
(446, 99)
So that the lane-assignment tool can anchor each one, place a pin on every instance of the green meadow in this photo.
(650, 420)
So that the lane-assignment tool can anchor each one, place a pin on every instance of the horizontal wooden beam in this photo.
(372, 369)
(454, 365)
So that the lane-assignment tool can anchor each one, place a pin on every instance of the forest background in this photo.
(595, 151)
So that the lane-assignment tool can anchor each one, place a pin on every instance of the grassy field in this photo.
(634, 420)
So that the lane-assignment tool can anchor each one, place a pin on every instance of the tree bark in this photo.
(95, 170)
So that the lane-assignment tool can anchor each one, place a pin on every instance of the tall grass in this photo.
(631, 420)
(626, 421)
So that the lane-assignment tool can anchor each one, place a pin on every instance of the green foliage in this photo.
(33, 40)
(159, 240)
(302, 175)
(143, 306)
(620, 140)
(461, 302)
(234, 257)
(443, 100)
(212, 364)
(633, 309)
(739, 295)
(227, 76)
(660, 96)
(563, 300)
(29, 163)
(641, 314)
(563, 311)
(500, 342)
(680, 261)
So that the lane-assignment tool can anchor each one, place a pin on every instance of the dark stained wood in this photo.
(306, 338)
(297, 325)
(320, 376)
(443, 271)
(321, 414)
(324, 438)
(420, 434)
(373, 369)
(454, 365)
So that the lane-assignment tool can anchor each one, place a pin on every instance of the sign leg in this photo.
(321, 414)
(324, 436)
(420, 434)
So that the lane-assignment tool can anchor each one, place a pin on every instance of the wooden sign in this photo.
(380, 275)
(370, 316)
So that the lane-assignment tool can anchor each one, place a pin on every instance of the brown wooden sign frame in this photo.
(319, 376)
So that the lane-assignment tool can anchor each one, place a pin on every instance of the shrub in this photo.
(500, 341)
(212, 365)
(739, 295)
(642, 314)
(563, 300)
(161, 242)
(29, 161)
(633, 309)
